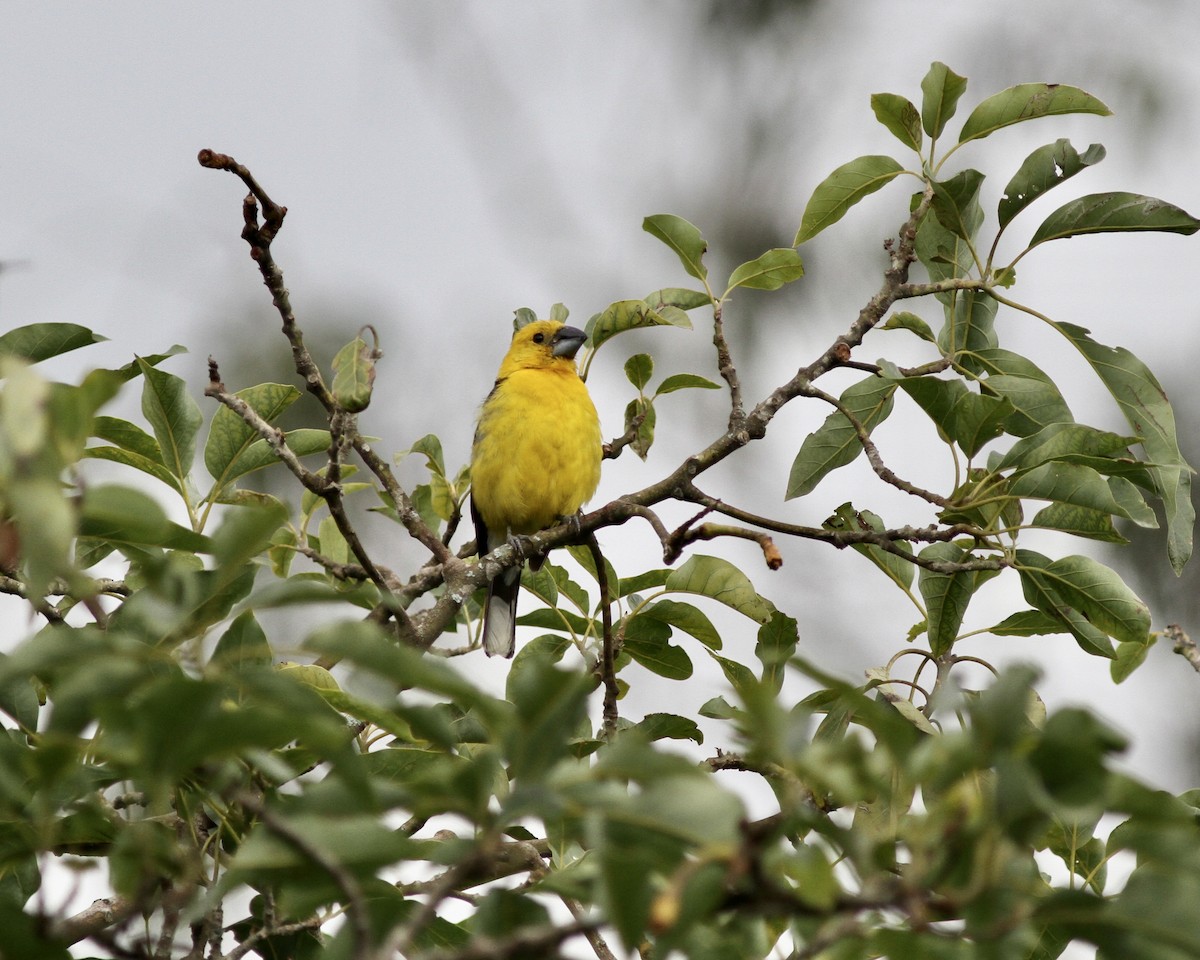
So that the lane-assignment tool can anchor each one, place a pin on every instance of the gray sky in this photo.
(446, 163)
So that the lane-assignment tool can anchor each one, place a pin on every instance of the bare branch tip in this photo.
(771, 554)
(215, 161)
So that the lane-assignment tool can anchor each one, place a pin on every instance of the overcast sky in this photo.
(445, 163)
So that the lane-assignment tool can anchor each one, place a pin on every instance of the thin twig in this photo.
(613, 448)
(711, 531)
(259, 237)
(608, 674)
(405, 509)
(1183, 645)
(885, 473)
(888, 540)
(725, 366)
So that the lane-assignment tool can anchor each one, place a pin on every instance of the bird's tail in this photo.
(500, 614)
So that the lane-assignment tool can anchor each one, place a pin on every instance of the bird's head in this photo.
(543, 343)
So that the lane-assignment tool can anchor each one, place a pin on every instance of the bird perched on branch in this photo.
(535, 459)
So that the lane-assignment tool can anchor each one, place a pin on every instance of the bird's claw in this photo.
(573, 521)
(523, 545)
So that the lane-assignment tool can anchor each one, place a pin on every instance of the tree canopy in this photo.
(351, 792)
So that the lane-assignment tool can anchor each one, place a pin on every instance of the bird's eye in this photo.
(539, 338)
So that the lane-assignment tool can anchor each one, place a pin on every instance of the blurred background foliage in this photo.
(531, 138)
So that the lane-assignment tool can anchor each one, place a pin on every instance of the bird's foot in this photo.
(573, 521)
(524, 546)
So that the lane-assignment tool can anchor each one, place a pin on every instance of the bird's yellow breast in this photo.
(537, 451)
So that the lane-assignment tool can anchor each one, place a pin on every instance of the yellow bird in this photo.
(535, 459)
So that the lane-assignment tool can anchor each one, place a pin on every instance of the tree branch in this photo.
(608, 656)
(102, 914)
(1183, 645)
(737, 410)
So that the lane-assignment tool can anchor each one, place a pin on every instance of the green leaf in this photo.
(1028, 623)
(718, 708)
(944, 255)
(644, 436)
(430, 447)
(559, 312)
(660, 726)
(243, 645)
(1077, 583)
(722, 581)
(896, 568)
(648, 641)
(842, 189)
(956, 203)
(683, 238)
(133, 368)
(970, 327)
(1081, 486)
(303, 443)
(572, 590)
(124, 516)
(19, 700)
(1043, 170)
(1040, 591)
(648, 580)
(898, 114)
(740, 677)
(354, 375)
(127, 436)
(686, 617)
(1035, 397)
(173, 415)
(639, 369)
(351, 840)
(24, 414)
(941, 89)
(1153, 915)
(768, 272)
(1059, 440)
(627, 315)
(685, 381)
(230, 437)
(1114, 213)
(777, 639)
(946, 595)
(1079, 522)
(46, 525)
(244, 533)
(41, 341)
(1148, 411)
(366, 644)
(1130, 656)
(153, 467)
(903, 320)
(677, 297)
(968, 419)
(365, 710)
(835, 443)
(1028, 101)
(523, 316)
(970, 314)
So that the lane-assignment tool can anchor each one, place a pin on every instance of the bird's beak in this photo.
(567, 341)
